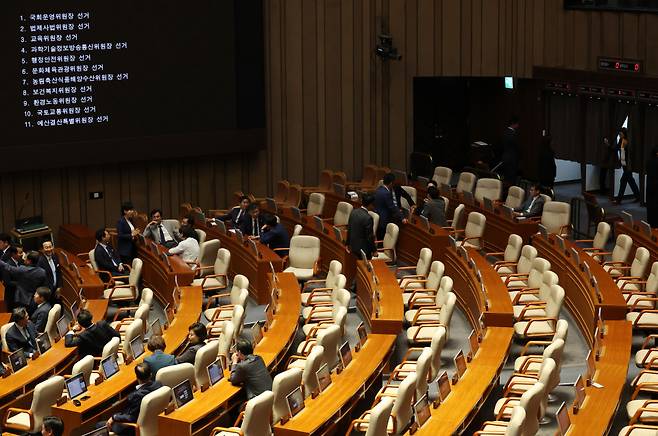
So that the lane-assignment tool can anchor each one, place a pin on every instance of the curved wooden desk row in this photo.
(640, 239)
(203, 412)
(76, 238)
(159, 275)
(390, 314)
(244, 261)
(92, 286)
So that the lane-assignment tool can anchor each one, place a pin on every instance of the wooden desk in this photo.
(92, 286)
(322, 414)
(640, 239)
(109, 395)
(201, 414)
(158, 276)
(391, 306)
(331, 200)
(76, 238)
(17, 388)
(414, 236)
(245, 262)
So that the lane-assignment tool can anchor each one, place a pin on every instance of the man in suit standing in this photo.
(28, 278)
(360, 233)
(50, 263)
(105, 256)
(386, 207)
(89, 337)
(22, 334)
(249, 370)
(510, 156)
(275, 235)
(237, 214)
(5, 243)
(126, 233)
(14, 257)
(434, 207)
(145, 385)
(533, 205)
(40, 315)
(162, 232)
(252, 224)
(159, 359)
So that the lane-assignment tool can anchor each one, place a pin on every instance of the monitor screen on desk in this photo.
(488, 204)
(628, 218)
(137, 347)
(474, 342)
(256, 334)
(460, 363)
(345, 354)
(62, 326)
(324, 377)
(43, 343)
(295, 401)
(75, 309)
(296, 214)
(17, 360)
(109, 366)
(444, 386)
(183, 393)
(76, 385)
(363, 334)
(563, 419)
(422, 411)
(215, 372)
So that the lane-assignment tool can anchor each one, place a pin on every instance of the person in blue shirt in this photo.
(159, 359)
(275, 235)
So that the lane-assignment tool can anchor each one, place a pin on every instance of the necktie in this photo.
(237, 219)
(530, 207)
(109, 253)
(395, 202)
(51, 262)
(162, 236)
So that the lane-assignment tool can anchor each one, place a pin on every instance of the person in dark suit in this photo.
(625, 156)
(105, 256)
(22, 334)
(5, 243)
(385, 206)
(159, 359)
(252, 224)
(510, 155)
(249, 370)
(236, 215)
(196, 338)
(547, 167)
(652, 188)
(434, 207)
(145, 385)
(50, 264)
(163, 233)
(275, 235)
(14, 257)
(42, 302)
(398, 194)
(360, 234)
(533, 205)
(126, 233)
(90, 337)
(27, 277)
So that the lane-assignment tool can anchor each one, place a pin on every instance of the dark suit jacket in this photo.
(535, 210)
(400, 194)
(276, 237)
(434, 211)
(360, 234)
(189, 354)
(232, 217)
(15, 340)
(40, 316)
(126, 245)
(27, 278)
(55, 281)
(92, 340)
(246, 226)
(253, 374)
(104, 261)
(510, 157)
(159, 360)
(387, 211)
(134, 402)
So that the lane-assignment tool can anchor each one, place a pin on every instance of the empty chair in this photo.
(474, 230)
(530, 401)
(342, 214)
(313, 362)
(375, 220)
(529, 302)
(283, 384)
(204, 357)
(134, 330)
(51, 324)
(528, 255)
(466, 182)
(224, 342)
(237, 319)
(303, 256)
(176, 374)
(130, 290)
(239, 282)
(515, 197)
(601, 237)
(640, 294)
(488, 188)
(45, 395)
(423, 333)
(511, 254)
(532, 279)
(338, 317)
(533, 365)
(513, 427)
(378, 418)
(618, 256)
(457, 221)
(339, 297)
(315, 204)
(442, 175)
(225, 311)
(436, 346)
(419, 271)
(635, 272)
(387, 250)
(142, 314)
(84, 366)
(561, 332)
(520, 383)
(256, 420)
(329, 338)
(425, 308)
(412, 193)
(401, 412)
(207, 255)
(423, 288)
(422, 370)
(542, 326)
(328, 284)
(556, 217)
(215, 277)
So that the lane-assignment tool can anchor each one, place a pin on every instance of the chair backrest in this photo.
(446, 202)
(3, 333)
(237, 319)
(640, 262)
(457, 217)
(335, 268)
(412, 193)
(442, 175)
(622, 250)
(202, 235)
(445, 287)
(554, 351)
(304, 251)
(652, 280)
(175, 374)
(435, 275)
(281, 191)
(379, 417)
(329, 338)
(402, 407)
(466, 182)
(92, 260)
(548, 279)
(437, 344)
(554, 304)
(547, 198)
(204, 357)
(561, 330)
(602, 235)
(475, 228)
(326, 180)
(54, 314)
(547, 373)
(513, 248)
(208, 253)
(375, 220)
(258, 415)
(445, 315)
(134, 329)
(313, 362)
(142, 313)
(342, 214)
(369, 177)
(315, 204)
(515, 197)
(85, 366)
(225, 340)
(340, 297)
(240, 282)
(45, 395)
(339, 315)
(391, 235)
(283, 384)
(555, 215)
(488, 188)
(516, 422)
(222, 261)
(531, 402)
(528, 255)
(424, 261)
(297, 230)
(423, 365)
(147, 297)
(135, 273)
(111, 348)
(536, 275)
(241, 298)
(153, 404)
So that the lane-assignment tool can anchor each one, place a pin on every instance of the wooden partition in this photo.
(640, 239)
(160, 275)
(389, 318)
(91, 285)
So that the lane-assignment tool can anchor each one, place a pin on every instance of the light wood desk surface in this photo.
(391, 307)
(640, 239)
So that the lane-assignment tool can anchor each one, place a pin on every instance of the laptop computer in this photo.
(76, 385)
(422, 411)
(337, 233)
(324, 377)
(319, 224)
(43, 343)
(507, 212)
(339, 189)
(98, 432)
(269, 316)
(645, 228)
(183, 393)
(444, 190)
(295, 401)
(468, 197)
(254, 248)
(215, 372)
(591, 366)
(563, 419)
(345, 354)
(137, 347)
(62, 326)
(17, 360)
(543, 231)
(425, 222)
(109, 366)
(30, 224)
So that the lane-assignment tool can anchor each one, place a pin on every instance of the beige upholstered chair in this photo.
(488, 188)
(532, 279)
(528, 255)
(202, 235)
(423, 333)
(442, 175)
(339, 298)
(142, 314)
(303, 256)
(85, 366)
(338, 317)
(466, 182)
(412, 193)
(641, 294)
(129, 291)
(474, 230)
(419, 271)
(556, 217)
(224, 342)
(51, 324)
(218, 278)
(427, 287)
(313, 362)
(239, 282)
(513, 427)
(257, 419)
(542, 326)
(528, 302)
(110, 349)
(329, 338)
(387, 250)
(327, 285)
(133, 330)
(530, 401)
(637, 269)
(152, 405)
(601, 237)
(283, 384)
(238, 314)
(3, 333)
(402, 410)
(618, 256)
(425, 308)
(342, 214)
(207, 255)
(457, 221)
(518, 384)
(315, 204)
(515, 197)
(510, 255)
(561, 332)
(422, 369)
(378, 418)
(375, 221)
(297, 230)
(45, 395)
(223, 312)
(204, 357)
(436, 346)
(176, 374)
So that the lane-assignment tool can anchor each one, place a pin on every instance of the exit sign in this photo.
(620, 65)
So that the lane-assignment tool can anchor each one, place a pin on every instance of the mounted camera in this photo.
(385, 49)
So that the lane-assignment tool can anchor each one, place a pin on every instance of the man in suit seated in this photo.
(162, 232)
(533, 205)
(22, 334)
(360, 233)
(249, 370)
(385, 206)
(275, 235)
(253, 223)
(159, 359)
(145, 385)
(106, 258)
(434, 207)
(27, 277)
(196, 338)
(50, 264)
(42, 302)
(89, 337)
(236, 215)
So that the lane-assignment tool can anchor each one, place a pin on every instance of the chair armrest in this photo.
(15, 411)
(528, 361)
(495, 253)
(534, 344)
(584, 240)
(123, 309)
(522, 315)
(425, 310)
(539, 319)
(293, 358)
(308, 282)
(217, 430)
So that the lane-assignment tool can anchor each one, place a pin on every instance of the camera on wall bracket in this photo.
(385, 49)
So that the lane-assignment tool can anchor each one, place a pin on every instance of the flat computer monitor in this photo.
(43, 343)
(591, 366)
(156, 328)
(17, 360)
(488, 204)
(109, 366)
(98, 432)
(628, 218)
(474, 342)
(76, 385)
(319, 224)
(137, 347)
(215, 372)
(422, 411)
(169, 313)
(560, 242)
(579, 387)
(256, 334)
(563, 420)
(295, 401)
(645, 227)
(75, 309)
(324, 377)
(575, 255)
(296, 213)
(507, 212)
(183, 393)
(239, 236)
(444, 386)
(468, 197)
(460, 363)
(543, 231)
(62, 326)
(337, 233)
(363, 334)
(425, 222)
(345, 354)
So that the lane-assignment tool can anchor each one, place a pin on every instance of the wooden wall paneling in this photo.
(294, 83)
(490, 37)
(642, 37)
(358, 86)
(93, 181)
(232, 180)
(630, 27)
(309, 85)
(451, 38)
(347, 95)
(154, 187)
(438, 37)
(580, 40)
(7, 202)
(206, 182)
(611, 34)
(368, 79)
(651, 43)
(475, 26)
(425, 32)
(274, 84)
(74, 209)
(259, 174)
(320, 106)
(568, 43)
(333, 57)
(466, 35)
(550, 34)
(594, 40)
(397, 89)
(538, 39)
(221, 201)
(111, 194)
(380, 137)
(411, 53)
(561, 22)
(24, 194)
(139, 188)
(528, 17)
